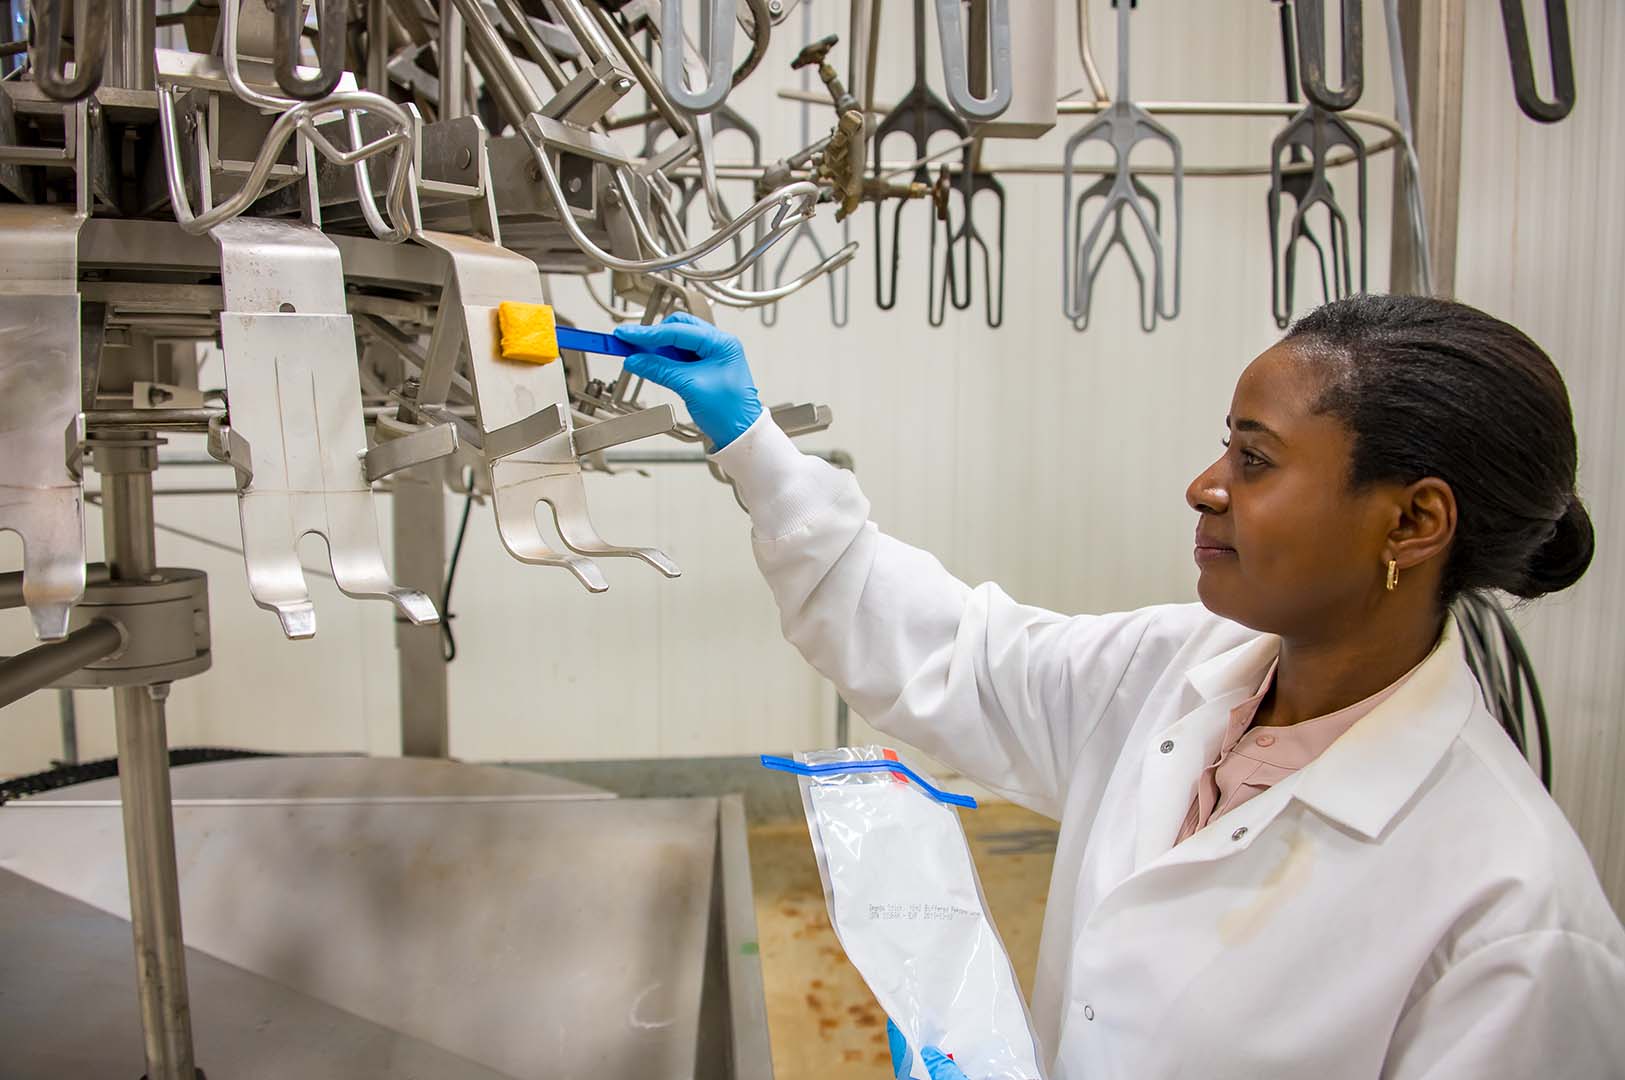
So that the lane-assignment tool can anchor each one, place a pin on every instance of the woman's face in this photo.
(1283, 543)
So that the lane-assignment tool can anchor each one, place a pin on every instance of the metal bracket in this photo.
(592, 438)
(41, 496)
(585, 99)
(295, 398)
(524, 421)
(402, 446)
(521, 435)
(165, 620)
(801, 419)
(230, 448)
(74, 153)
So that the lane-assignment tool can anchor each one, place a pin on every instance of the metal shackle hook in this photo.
(717, 22)
(1312, 54)
(1558, 48)
(89, 52)
(332, 21)
(956, 62)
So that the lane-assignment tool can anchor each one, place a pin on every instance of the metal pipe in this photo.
(155, 902)
(453, 102)
(741, 171)
(378, 46)
(197, 420)
(1068, 107)
(1434, 43)
(641, 71)
(532, 42)
(574, 17)
(134, 419)
(127, 518)
(133, 38)
(839, 458)
(418, 518)
(497, 64)
(863, 41)
(11, 584)
(68, 714)
(43, 665)
(143, 754)
(1086, 55)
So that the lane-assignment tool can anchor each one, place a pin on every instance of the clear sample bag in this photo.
(907, 907)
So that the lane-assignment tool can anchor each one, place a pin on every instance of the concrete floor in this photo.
(823, 1021)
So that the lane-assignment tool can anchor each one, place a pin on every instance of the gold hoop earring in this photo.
(1393, 574)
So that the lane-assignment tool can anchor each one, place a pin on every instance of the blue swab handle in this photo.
(836, 768)
(610, 345)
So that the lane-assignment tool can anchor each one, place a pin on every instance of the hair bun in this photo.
(1563, 558)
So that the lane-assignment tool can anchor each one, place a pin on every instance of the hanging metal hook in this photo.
(956, 62)
(717, 21)
(89, 51)
(1312, 54)
(332, 20)
(1558, 48)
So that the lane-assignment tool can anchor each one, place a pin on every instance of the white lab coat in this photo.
(1411, 904)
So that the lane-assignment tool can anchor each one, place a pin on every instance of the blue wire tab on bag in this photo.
(837, 768)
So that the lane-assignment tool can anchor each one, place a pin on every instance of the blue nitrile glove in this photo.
(938, 1064)
(717, 387)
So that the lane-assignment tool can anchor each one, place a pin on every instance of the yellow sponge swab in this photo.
(529, 333)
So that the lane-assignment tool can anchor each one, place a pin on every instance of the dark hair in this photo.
(1431, 387)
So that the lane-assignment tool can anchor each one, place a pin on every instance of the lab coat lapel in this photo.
(1364, 778)
(1173, 762)
(1169, 771)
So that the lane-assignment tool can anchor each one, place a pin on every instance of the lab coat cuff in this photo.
(782, 488)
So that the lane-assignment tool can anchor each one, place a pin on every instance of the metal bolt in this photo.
(465, 158)
(775, 7)
(1239, 833)
(1167, 747)
(574, 184)
(1088, 1012)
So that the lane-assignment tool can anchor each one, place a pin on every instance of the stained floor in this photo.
(824, 1023)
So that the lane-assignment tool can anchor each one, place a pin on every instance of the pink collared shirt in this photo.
(1250, 762)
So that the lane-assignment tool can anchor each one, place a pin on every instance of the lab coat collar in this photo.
(1241, 668)
(1364, 778)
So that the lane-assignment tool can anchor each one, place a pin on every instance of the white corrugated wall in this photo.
(1543, 244)
(1050, 461)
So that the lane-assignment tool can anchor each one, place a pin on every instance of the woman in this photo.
(1293, 841)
